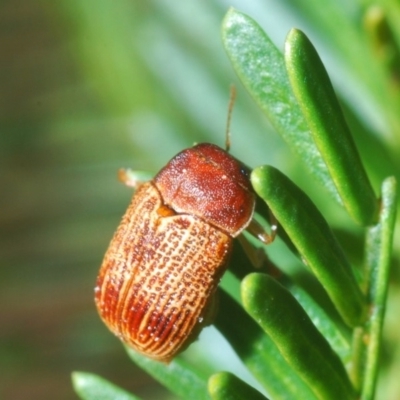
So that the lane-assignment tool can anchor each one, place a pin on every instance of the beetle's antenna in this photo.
(232, 98)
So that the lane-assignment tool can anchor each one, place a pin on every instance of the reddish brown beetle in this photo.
(156, 284)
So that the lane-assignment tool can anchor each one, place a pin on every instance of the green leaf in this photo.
(178, 376)
(314, 240)
(337, 336)
(261, 68)
(226, 386)
(338, 25)
(378, 254)
(259, 353)
(315, 94)
(300, 343)
(93, 387)
(326, 320)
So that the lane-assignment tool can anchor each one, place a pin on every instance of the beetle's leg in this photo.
(256, 255)
(258, 231)
(133, 178)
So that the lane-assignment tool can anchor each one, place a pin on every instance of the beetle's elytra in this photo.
(157, 281)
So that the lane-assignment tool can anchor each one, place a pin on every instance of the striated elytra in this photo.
(156, 285)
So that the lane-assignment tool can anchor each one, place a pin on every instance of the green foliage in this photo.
(150, 78)
(185, 380)
(315, 94)
(226, 386)
(93, 387)
(300, 343)
(261, 68)
(313, 239)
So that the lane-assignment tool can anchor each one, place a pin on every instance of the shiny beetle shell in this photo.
(156, 284)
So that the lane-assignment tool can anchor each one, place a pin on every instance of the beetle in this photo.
(156, 285)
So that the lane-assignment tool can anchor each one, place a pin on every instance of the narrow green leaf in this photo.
(314, 240)
(226, 386)
(337, 336)
(298, 340)
(259, 353)
(378, 249)
(317, 99)
(93, 387)
(340, 29)
(178, 376)
(261, 68)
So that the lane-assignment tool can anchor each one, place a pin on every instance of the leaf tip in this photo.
(248, 287)
(256, 175)
(260, 178)
(77, 378)
(292, 34)
(216, 381)
(229, 17)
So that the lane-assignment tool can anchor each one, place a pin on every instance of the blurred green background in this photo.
(87, 87)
